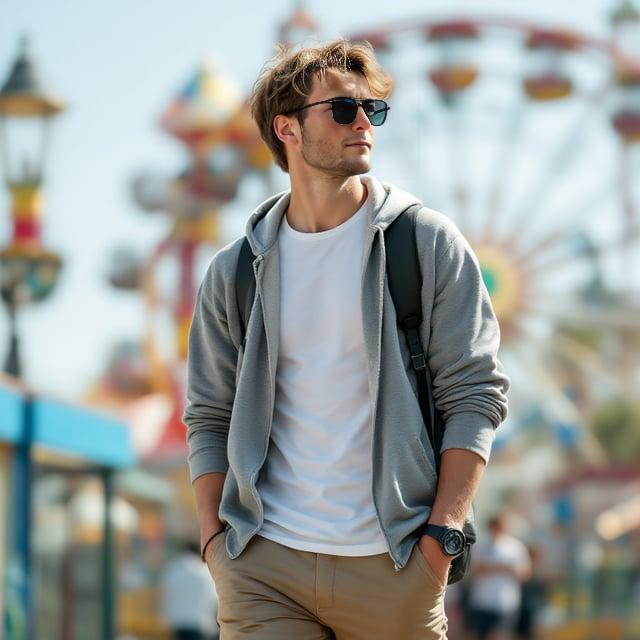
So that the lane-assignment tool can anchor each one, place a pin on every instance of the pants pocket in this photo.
(426, 569)
(218, 543)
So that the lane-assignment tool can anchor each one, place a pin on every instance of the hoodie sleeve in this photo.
(211, 368)
(469, 385)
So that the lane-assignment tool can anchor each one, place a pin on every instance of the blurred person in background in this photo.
(500, 566)
(532, 600)
(188, 596)
(465, 630)
(320, 511)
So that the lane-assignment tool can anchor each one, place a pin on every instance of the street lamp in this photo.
(28, 272)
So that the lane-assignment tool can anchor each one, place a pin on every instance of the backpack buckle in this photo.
(419, 362)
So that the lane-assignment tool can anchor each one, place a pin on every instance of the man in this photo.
(500, 567)
(189, 601)
(307, 448)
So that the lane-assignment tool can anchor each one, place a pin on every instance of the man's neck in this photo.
(319, 205)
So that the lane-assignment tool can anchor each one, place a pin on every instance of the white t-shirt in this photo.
(189, 598)
(499, 592)
(316, 486)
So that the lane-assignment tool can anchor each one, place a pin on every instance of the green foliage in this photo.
(616, 424)
(585, 336)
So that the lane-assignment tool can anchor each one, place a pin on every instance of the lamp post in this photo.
(28, 272)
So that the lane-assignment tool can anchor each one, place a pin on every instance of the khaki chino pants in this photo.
(272, 592)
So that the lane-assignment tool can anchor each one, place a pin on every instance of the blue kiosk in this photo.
(40, 436)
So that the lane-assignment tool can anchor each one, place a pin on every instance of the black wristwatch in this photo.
(451, 540)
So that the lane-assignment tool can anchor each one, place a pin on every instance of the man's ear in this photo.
(286, 130)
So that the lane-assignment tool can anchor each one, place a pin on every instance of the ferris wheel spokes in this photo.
(502, 167)
(559, 407)
(572, 221)
(589, 252)
(566, 152)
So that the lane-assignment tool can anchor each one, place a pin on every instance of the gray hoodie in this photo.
(231, 385)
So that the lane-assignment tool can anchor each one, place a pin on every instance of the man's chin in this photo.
(344, 169)
(356, 168)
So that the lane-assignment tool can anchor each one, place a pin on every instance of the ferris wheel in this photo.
(528, 137)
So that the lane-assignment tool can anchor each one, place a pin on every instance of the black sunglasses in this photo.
(345, 110)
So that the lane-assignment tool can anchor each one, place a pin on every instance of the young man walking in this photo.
(313, 473)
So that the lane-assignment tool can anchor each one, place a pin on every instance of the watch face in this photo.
(453, 542)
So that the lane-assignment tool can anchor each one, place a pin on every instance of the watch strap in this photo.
(434, 531)
(441, 534)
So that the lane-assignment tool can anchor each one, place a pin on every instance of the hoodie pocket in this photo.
(426, 461)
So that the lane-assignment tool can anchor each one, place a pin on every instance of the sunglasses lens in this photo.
(376, 111)
(344, 111)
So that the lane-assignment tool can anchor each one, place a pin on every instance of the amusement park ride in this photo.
(213, 123)
(528, 136)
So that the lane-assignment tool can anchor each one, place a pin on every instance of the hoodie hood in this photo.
(387, 203)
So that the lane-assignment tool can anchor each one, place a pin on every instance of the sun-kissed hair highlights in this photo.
(287, 79)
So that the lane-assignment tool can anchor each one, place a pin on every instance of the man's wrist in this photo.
(429, 541)
(445, 520)
(450, 540)
(210, 525)
(207, 541)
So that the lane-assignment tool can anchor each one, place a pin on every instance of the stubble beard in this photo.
(321, 155)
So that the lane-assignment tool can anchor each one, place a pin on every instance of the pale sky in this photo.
(118, 64)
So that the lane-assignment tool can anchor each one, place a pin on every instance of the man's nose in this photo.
(361, 121)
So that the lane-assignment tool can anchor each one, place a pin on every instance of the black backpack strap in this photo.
(405, 283)
(245, 285)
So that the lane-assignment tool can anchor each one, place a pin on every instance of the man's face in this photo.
(340, 150)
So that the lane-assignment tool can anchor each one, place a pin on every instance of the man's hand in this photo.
(436, 558)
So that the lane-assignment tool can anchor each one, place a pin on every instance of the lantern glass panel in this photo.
(24, 142)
